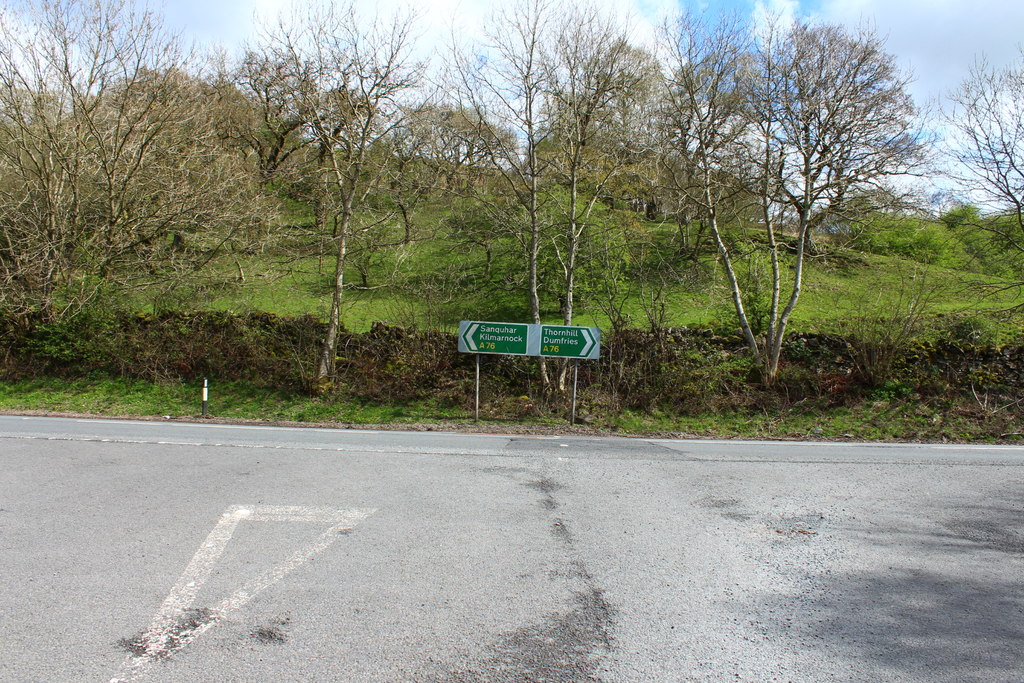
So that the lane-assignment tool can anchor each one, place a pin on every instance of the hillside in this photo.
(636, 275)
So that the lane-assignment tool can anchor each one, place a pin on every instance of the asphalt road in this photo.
(176, 552)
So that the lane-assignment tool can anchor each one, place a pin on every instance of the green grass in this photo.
(435, 281)
(238, 400)
(873, 285)
(880, 282)
(870, 288)
(881, 415)
(887, 419)
(106, 397)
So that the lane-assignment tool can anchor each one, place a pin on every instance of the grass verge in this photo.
(909, 418)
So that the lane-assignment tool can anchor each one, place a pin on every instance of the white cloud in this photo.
(470, 18)
(766, 10)
(230, 22)
(937, 39)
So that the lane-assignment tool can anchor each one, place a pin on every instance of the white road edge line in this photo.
(975, 447)
(322, 430)
(840, 444)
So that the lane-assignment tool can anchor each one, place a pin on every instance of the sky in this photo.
(937, 40)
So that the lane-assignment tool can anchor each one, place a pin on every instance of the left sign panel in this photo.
(489, 337)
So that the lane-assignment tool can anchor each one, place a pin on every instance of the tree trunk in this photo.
(326, 366)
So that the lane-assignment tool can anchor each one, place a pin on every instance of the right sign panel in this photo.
(562, 341)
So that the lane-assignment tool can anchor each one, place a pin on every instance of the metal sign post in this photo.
(575, 381)
(478, 388)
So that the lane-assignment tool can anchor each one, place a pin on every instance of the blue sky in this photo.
(936, 39)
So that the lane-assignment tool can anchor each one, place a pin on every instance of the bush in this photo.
(919, 240)
(976, 330)
(677, 371)
(81, 340)
(891, 391)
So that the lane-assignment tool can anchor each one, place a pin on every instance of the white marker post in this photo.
(206, 394)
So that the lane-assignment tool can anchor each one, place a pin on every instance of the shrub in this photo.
(919, 240)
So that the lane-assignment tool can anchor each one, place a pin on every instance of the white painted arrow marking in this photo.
(175, 625)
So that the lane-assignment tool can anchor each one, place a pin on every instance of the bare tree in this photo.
(261, 111)
(986, 142)
(109, 162)
(590, 66)
(354, 77)
(706, 121)
(505, 85)
(451, 143)
(633, 138)
(832, 119)
(799, 118)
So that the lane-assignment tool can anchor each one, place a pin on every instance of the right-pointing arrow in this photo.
(589, 345)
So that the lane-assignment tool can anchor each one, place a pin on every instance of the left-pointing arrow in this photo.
(468, 337)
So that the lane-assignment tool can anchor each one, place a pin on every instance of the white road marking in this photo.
(325, 430)
(321, 430)
(192, 579)
(396, 450)
(171, 630)
(972, 447)
(837, 444)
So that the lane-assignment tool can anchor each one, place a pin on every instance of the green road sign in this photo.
(562, 341)
(486, 337)
(520, 339)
